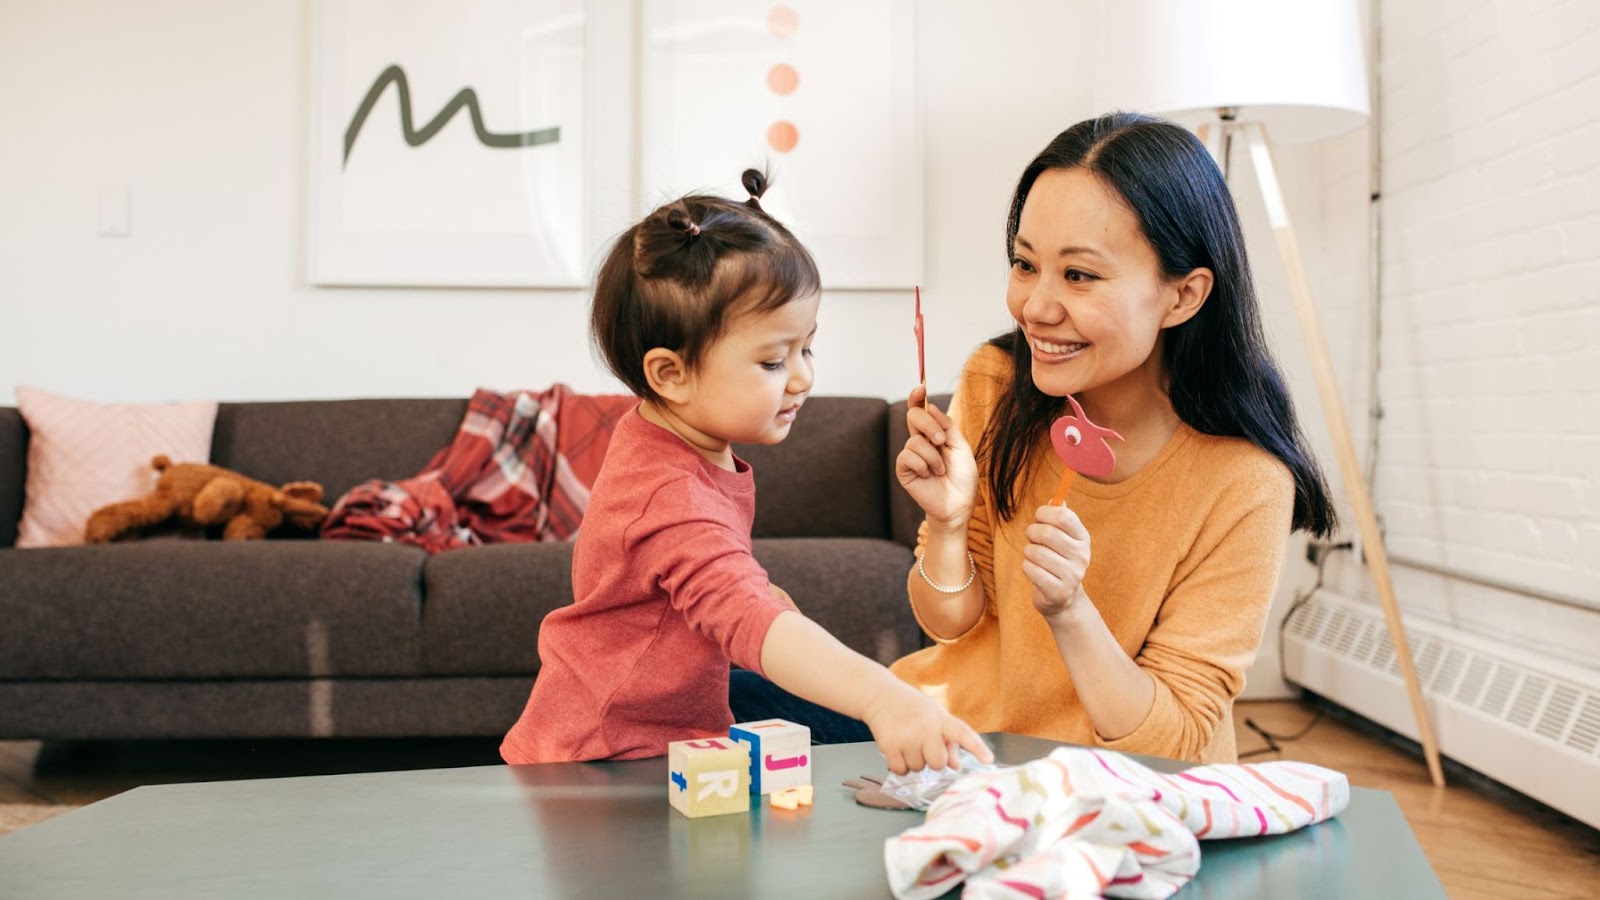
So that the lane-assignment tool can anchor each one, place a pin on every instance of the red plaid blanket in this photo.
(519, 469)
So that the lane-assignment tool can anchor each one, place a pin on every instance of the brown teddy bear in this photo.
(198, 494)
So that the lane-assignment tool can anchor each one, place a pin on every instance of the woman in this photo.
(1131, 292)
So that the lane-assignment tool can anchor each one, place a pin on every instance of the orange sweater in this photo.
(1185, 557)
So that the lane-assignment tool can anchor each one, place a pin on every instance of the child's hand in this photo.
(915, 732)
(1055, 560)
(936, 467)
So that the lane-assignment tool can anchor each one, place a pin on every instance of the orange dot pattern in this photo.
(782, 21)
(782, 79)
(783, 136)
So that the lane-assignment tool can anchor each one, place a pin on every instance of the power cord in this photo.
(1317, 553)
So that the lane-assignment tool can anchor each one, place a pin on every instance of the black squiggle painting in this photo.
(466, 97)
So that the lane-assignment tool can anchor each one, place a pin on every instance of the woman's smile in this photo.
(1056, 351)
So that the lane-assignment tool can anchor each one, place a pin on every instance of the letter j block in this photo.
(708, 777)
(780, 754)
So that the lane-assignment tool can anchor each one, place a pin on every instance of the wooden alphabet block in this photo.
(708, 777)
(780, 753)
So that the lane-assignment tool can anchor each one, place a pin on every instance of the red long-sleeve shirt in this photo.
(666, 592)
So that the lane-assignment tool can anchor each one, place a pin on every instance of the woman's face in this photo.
(1086, 286)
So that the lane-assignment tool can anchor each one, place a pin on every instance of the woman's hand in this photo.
(936, 467)
(1055, 560)
(915, 732)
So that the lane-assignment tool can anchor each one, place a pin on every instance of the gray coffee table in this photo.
(589, 830)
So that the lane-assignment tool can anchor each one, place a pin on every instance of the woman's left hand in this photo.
(1055, 560)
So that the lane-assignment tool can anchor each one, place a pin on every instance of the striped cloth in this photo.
(519, 469)
(1092, 823)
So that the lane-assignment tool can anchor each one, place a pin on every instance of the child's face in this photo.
(1086, 286)
(750, 384)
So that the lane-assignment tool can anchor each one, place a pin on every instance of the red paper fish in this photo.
(1082, 446)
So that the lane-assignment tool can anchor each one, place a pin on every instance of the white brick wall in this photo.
(1490, 377)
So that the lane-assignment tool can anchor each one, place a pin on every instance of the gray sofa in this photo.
(304, 638)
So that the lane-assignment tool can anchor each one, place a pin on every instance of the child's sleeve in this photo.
(702, 562)
(1210, 624)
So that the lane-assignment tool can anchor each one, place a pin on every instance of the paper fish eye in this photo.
(1073, 435)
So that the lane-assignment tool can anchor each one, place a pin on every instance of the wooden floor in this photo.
(1483, 841)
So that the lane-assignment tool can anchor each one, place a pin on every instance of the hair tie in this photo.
(694, 229)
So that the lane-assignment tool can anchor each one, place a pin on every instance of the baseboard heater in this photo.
(1529, 723)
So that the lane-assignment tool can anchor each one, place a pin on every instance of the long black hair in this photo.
(1223, 379)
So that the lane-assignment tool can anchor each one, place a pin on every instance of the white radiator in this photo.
(1530, 723)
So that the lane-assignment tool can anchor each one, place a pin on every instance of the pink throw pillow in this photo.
(82, 456)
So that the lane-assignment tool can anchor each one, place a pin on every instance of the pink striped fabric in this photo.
(83, 455)
(1092, 823)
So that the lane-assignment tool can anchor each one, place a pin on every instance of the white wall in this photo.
(1490, 317)
(201, 106)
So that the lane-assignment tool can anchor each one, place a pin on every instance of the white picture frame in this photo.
(722, 79)
(501, 205)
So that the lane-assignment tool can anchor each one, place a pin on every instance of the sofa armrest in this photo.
(13, 472)
(905, 517)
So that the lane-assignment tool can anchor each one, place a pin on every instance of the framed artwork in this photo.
(820, 92)
(448, 143)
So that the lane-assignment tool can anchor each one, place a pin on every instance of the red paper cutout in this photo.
(922, 366)
(1081, 444)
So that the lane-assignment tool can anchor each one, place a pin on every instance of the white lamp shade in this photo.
(1294, 65)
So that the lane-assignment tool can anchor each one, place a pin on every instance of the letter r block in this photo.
(780, 754)
(708, 777)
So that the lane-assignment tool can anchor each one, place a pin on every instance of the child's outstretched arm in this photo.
(911, 729)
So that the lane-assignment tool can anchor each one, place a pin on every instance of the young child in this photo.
(1130, 291)
(706, 310)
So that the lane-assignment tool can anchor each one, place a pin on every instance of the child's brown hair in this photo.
(680, 276)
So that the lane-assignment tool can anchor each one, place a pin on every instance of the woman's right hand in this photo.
(937, 467)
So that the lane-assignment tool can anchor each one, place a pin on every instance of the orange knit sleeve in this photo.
(970, 407)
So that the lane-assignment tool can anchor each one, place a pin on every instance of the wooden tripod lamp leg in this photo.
(1339, 431)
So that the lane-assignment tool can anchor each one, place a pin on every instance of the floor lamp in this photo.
(1241, 70)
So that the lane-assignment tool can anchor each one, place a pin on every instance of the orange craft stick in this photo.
(1067, 476)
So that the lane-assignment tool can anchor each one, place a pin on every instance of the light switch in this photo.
(116, 211)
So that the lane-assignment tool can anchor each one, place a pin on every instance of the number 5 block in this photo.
(709, 777)
(780, 754)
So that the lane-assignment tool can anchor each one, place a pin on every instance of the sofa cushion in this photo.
(856, 589)
(337, 443)
(192, 609)
(484, 604)
(84, 455)
(827, 477)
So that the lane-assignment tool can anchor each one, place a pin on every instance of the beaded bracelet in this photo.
(948, 590)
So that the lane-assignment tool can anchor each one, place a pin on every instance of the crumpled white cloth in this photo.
(919, 789)
(1090, 823)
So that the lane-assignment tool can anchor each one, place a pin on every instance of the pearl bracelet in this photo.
(949, 590)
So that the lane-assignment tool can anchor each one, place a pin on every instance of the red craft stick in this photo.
(922, 364)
